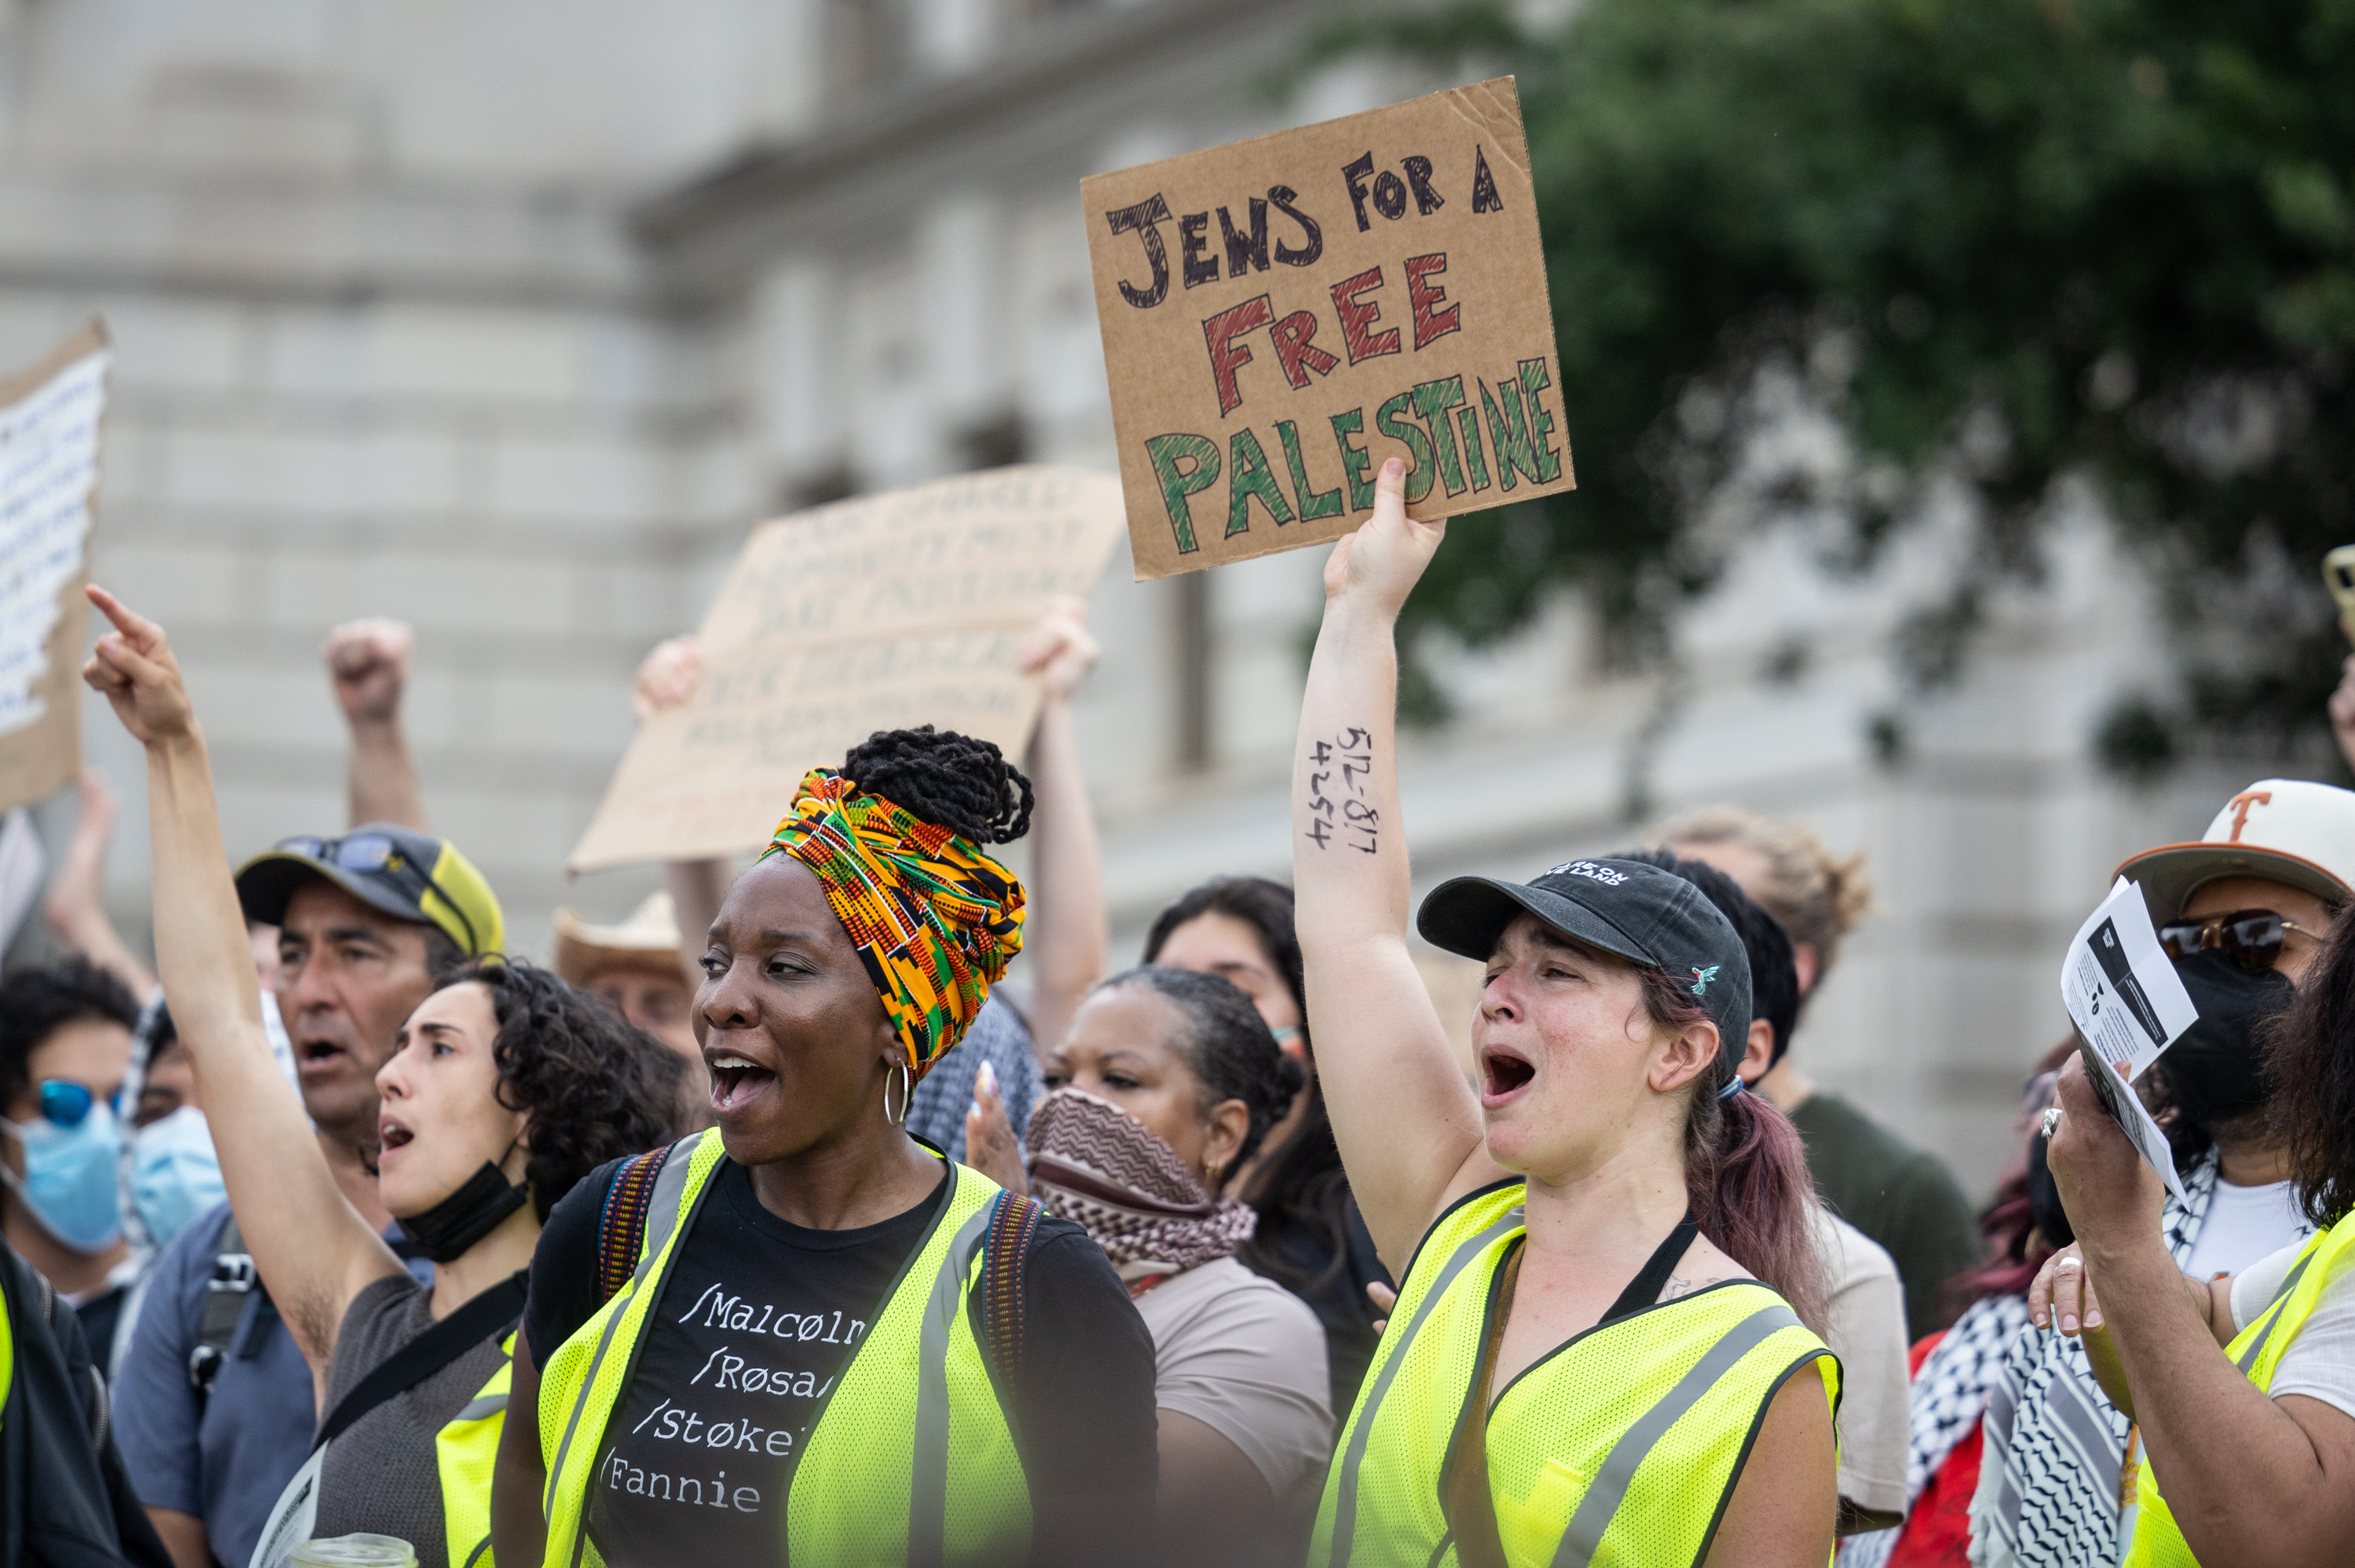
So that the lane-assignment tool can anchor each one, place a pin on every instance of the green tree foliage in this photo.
(2005, 241)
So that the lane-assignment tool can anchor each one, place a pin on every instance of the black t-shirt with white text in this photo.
(755, 1325)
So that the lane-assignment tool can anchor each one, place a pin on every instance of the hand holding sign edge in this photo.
(1377, 564)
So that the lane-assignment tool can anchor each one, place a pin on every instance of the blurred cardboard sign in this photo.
(883, 613)
(1281, 315)
(49, 417)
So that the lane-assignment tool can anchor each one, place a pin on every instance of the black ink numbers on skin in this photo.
(1345, 815)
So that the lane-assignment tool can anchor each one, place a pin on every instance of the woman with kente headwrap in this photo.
(802, 1335)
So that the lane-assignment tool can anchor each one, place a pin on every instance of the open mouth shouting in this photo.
(736, 1081)
(319, 1056)
(1504, 1074)
(392, 1136)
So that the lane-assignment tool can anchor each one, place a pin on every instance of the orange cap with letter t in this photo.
(2290, 831)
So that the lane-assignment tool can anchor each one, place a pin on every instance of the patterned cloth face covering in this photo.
(1100, 1168)
(934, 919)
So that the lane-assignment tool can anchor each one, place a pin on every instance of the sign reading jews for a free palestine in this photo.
(1281, 315)
(883, 613)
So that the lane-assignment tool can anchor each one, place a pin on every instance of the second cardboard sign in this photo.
(1281, 315)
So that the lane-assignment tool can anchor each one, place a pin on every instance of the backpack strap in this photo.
(488, 1316)
(1006, 1248)
(622, 1226)
(232, 1283)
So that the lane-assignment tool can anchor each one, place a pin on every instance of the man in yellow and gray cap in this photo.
(366, 922)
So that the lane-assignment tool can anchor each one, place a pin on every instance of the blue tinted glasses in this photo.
(65, 1103)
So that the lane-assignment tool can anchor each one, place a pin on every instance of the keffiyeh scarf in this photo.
(1105, 1171)
(2055, 1455)
(934, 919)
(1948, 1395)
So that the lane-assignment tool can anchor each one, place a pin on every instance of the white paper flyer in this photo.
(2128, 1006)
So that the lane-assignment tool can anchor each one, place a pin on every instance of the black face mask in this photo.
(446, 1230)
(2214, 1074)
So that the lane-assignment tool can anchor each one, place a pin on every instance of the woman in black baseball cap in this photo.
(1602, 1347)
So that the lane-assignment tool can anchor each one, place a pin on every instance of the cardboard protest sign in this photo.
(50, 419)
(882, 612)
(1281, 315)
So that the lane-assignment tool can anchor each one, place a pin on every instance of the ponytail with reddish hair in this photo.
(1746, 1171)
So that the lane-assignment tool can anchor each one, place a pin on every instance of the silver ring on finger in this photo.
(2051, 1120)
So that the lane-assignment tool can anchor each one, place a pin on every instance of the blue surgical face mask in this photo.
(69, 1181)
(174, 1175)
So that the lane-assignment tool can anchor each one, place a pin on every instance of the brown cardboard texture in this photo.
(1281, 315)
(881, 612)
(42, 523)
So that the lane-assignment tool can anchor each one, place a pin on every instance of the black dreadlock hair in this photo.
(949, 780)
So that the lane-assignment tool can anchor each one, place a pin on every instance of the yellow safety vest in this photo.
(7, 1358)
(911, 1462)
(465, 1452)
(2257, 1351)
(1622, 1447)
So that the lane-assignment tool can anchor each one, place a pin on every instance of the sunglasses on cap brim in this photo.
(373, 854)
(2249, 939)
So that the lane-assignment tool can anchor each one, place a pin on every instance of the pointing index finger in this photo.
(142, 631)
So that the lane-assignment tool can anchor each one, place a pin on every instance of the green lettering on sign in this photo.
(1314, 503)
(1535, 380)
(1431, 401)
(1391, 420)
(1168, 454)
(1357, 463)
(1251, 475)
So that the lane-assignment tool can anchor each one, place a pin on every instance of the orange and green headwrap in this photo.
(935, 920)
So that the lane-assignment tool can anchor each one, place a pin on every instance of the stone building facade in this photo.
(509, 318)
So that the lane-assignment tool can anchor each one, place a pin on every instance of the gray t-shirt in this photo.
(1246, 1358)
(380, 1476)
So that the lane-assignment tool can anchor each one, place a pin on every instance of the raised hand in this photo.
(367, 661)
(667, 677)
(134, 668)
(990, 1145)
(1381, 562)
(1060, 650)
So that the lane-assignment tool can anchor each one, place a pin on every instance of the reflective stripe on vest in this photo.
(1618, 1446)
(2257, 1351)
(465, 1453)
(911, 1460)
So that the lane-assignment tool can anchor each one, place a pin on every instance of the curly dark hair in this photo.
(2310, 1079)
(597, 1087)
(950, 780)
(38, 1002)
(1228, 1047)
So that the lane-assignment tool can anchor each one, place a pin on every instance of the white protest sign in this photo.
(49, 473)
(2122, 993)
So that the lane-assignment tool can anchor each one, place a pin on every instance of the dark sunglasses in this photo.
(373, 854)
(65, 1103)
(2249, 939)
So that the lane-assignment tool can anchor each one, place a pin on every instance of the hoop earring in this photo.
(907, 1093)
